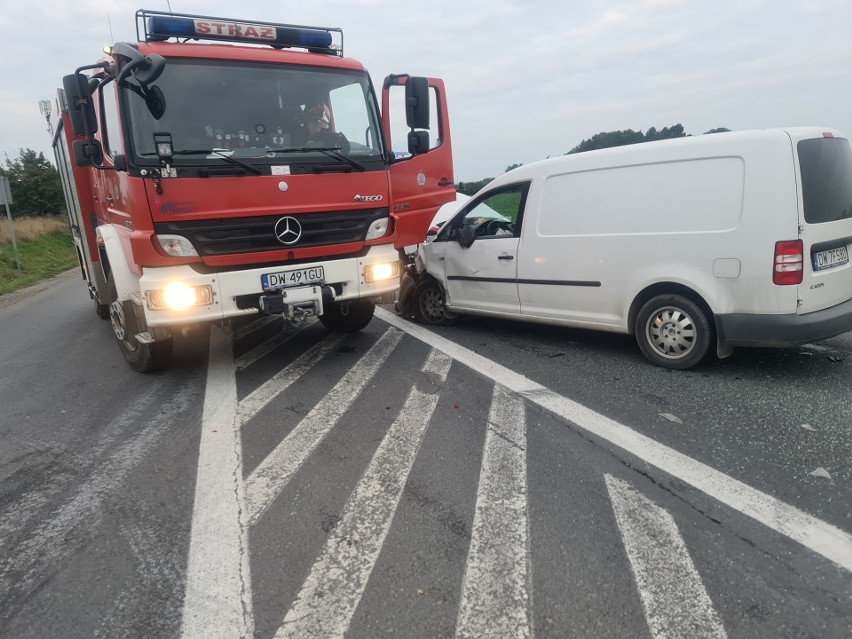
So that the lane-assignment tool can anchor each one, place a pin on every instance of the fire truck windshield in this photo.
(255, 111)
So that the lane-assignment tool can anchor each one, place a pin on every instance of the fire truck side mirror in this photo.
(418, 142)
(149, 69)
(88, 152)
(417, 103)
(78, 96)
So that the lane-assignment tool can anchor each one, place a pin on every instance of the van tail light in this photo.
(788, 263)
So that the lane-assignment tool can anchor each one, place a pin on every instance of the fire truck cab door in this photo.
(421, 182)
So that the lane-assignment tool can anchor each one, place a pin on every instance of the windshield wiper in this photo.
(330, 151)
(222, 155)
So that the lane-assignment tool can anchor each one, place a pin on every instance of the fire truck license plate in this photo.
(303, 276)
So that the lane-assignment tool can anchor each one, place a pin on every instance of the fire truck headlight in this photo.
(177, 246)
(382, 271)
(377, 229)
(178, 297)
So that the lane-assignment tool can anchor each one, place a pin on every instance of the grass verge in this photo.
(43, 257)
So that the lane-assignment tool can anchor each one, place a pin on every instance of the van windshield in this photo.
(826, 166)
(253, 111)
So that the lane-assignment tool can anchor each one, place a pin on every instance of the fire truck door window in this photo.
(398, 127)
(113, 143)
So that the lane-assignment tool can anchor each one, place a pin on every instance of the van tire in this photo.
(347, 317)
(673, 331)
(430, 304)
(142, 357)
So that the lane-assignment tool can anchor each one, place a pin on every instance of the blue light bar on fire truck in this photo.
(158, 26)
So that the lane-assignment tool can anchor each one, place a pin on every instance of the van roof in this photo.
(660, 150)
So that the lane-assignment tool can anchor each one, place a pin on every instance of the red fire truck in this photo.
(250, 173)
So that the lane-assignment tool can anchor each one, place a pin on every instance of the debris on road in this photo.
(822, 473)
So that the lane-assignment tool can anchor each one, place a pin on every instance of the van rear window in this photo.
(826, 166)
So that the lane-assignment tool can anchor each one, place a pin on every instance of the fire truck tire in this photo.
(347, 317)
(142, 357)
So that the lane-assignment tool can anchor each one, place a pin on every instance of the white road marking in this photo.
(672, 593)
(19, 513)
(255, 325)
(495, 597)
(274, 473)
(218, 601)
(821, 537)
(336, 583)
(22, 568)
(266, 392)
(262, 350)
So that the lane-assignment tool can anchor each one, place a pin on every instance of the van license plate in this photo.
(300, 277)
(831, 257)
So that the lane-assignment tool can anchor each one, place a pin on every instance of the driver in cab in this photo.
(317, 123)
(317, 128)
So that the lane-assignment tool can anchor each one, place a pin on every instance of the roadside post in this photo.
(6, 198)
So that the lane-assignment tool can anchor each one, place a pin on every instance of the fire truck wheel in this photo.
(347, 317)
(141, 356)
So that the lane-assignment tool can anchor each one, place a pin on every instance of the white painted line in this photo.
(336, 583)
(22, 567)
(275, 385)
(274, 473)
(829, 541)
(495, 597)
(218, 601)
(262, 350)
(16, 516)
(257, 324)
(673, 595)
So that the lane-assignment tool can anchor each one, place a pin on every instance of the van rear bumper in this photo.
(747, 329)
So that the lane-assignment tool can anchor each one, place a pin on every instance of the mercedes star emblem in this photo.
(288, 230)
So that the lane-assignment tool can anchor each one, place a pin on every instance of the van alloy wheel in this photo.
(429, 305)
(673, 331)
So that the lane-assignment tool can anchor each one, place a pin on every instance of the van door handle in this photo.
(444, 182)
(505, 257)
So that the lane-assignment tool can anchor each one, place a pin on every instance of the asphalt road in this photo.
(485, 479)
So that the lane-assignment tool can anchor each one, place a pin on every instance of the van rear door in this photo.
(825, 218)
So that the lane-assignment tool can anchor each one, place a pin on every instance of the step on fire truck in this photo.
(254, 173)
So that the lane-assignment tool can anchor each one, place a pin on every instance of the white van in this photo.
(728, 239)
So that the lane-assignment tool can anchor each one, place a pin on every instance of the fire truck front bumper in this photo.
(178, 295)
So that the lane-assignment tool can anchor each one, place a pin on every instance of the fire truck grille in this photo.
(257, 234)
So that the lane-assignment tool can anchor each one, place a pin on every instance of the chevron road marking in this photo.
(672, 593)
(337, 581)
(275, 472)
(821, 537)
(495, 597)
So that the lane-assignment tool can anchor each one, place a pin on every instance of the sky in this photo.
(525, 80)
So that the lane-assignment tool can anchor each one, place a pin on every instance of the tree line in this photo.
(602, 140)
(35, 185)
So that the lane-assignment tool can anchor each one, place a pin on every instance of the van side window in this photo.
(498, 214)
